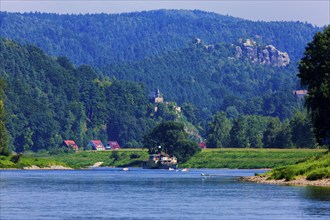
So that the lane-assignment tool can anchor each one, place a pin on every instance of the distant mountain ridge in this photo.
(100, 39)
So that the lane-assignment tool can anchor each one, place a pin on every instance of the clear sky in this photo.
(316, 12)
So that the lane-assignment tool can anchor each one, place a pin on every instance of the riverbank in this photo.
(207, 158)
(249, 158)
(301, 181)
(56, 167)
(313, 172)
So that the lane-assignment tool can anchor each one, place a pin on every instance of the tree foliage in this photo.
(218, 133)
(3, 131)
(170, 137)
(98, 39)
(252, 131)
(49, 99)
(314, 72)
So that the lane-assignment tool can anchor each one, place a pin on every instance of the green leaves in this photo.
(171, 138)
(314, 72)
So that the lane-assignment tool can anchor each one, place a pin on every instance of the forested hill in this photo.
(99, 39)
(48, 100)
(214, 78)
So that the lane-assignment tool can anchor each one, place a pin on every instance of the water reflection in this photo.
(316, 193)
(315, 200)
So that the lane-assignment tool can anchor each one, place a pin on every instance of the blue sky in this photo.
(316, 12)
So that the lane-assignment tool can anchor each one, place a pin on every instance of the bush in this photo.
(134, 156)
(319, 174)
(16, 158)
(286, 173)
(115, 155)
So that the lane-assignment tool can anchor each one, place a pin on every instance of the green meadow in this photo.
(207, 158)
(249, 158)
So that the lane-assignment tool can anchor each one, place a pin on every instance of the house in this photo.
(96, 145)
(300, 93)
(202, 145)
(112, 145)
(70, 144)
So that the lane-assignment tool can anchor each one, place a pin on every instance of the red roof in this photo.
(96, 143)
(114, 144)
(202, 145)
(71, 143)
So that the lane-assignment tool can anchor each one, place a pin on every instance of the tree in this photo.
(3, 132)
(171, 138)
(271, 132)
(238, 133)
(218, 133)
(302, 130)
(314, 72)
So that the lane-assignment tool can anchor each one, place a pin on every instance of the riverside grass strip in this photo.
(233, 158)
(244, 158)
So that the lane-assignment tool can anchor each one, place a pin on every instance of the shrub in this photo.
(319, 174)
(134, 156)
(286, 173)
(16, 158)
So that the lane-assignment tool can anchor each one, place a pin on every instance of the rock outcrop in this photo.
(267, 55)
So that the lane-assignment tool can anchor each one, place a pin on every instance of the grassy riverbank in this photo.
(115, 158)
(317, 167)
(208, 158)
(249, 158)
(19, 161)
(314, 172)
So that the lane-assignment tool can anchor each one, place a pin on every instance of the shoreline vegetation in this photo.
(312, 172)
(304, 167)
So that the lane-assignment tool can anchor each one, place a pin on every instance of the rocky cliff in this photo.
(266, 55)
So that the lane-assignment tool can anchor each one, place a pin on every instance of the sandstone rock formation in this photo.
(267, 55)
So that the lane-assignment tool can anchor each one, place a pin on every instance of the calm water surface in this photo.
(109, 193)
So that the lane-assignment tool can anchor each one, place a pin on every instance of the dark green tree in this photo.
(170, 137)
(302, 130)
(314, 72)
(238, 133)
(218, 135)
(3, 132)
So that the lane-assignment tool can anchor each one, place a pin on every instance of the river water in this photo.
(111, 193)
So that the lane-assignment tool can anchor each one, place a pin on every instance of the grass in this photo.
(114, 158)
(249, 158)
(207, 158)
(20, 161)
(317, 167)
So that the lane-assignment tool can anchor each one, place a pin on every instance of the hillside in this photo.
(48, 100)
(214, 78)
(157, 48)
(100, 39)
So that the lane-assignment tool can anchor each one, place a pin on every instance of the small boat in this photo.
(184, 170)
(160, 161)
(125, 169)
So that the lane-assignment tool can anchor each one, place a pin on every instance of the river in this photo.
(111, 193)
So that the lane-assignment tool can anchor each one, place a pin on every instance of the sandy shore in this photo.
(97, 164)
(33, 167)
(297, 182)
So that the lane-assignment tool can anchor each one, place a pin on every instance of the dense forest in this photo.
(48, 100)
(157, 48)
(99, 39)
(101, 90)
(213, 80)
